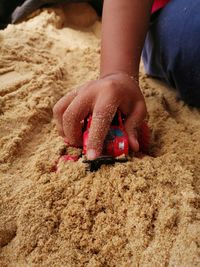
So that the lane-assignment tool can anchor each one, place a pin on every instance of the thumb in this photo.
(132, 134)
(132, 124)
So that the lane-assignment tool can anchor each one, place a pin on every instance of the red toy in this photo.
(115, 145)
(116, 141)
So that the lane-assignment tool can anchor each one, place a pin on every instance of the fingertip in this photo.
(59, 128)
(76, 141)
(91, 154)
(134, 144)
(132, 138)
(66, 141)
(60, 132)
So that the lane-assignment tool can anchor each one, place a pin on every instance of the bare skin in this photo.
(124, 26)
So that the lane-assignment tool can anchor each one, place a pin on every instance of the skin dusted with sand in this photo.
(124, 26)
(144, 212)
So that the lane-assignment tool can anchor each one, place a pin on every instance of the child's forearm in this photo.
(124, 28)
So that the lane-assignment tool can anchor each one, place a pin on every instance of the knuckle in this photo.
(101, 120)
(70, 124)
(98, 115)
(110, 83)
(68, 118)
(57, 110)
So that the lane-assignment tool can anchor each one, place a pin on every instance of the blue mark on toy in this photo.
(116, 132)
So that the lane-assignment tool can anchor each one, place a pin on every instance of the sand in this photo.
(145, 212)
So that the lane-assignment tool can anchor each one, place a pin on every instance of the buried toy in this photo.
(116, 145)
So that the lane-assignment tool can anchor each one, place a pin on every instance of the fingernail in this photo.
(91, 154)
(136, 139)
(66, 141)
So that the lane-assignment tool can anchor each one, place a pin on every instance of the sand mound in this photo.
(141, 213)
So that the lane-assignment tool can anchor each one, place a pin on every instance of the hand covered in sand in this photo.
(101, 98)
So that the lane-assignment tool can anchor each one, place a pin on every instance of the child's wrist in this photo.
(133, 77)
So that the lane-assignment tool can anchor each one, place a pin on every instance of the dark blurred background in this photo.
(12, 11)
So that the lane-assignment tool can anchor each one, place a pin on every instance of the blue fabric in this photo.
(172, 48)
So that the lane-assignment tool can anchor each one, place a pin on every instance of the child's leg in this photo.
(172, 48)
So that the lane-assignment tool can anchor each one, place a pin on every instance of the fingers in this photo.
(62, 105)
(95, 98)
(132, 123)
(101, 119)
(60, 108)
(72, 119)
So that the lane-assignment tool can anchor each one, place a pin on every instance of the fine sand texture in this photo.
(144, 213)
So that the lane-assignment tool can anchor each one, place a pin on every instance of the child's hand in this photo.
(101, 98)
(124, 26)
